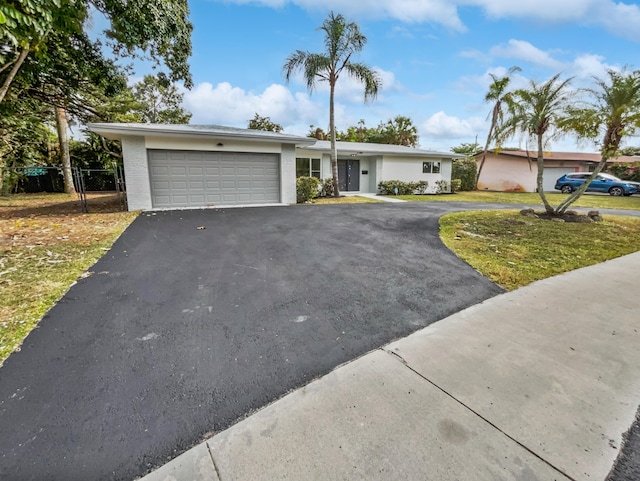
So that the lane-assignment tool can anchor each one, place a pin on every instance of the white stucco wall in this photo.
(177, 143)
(410, 170)
(288, 174)
(136, 171)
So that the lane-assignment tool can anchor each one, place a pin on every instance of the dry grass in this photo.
(46, 243)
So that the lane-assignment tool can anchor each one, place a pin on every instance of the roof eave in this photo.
(409, 153)
(112, 132)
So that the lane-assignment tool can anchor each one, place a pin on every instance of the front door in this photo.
(348, 175)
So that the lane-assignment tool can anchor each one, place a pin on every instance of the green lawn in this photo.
(596, 201)
(513, 250)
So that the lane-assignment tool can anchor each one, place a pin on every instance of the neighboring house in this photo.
(517, 170)
(192, 166)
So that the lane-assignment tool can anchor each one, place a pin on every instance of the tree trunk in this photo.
(540, 177)
(494, 120)
(61, 121)
(334, 150)
(14, 70)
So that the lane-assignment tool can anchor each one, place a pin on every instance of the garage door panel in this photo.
(198, 179)
(551, 174)
(175, 171)
(178, 185)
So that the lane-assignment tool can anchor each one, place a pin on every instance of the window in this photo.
(431, 167)
(306, 167)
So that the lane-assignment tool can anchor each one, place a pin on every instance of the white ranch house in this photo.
(198, 166)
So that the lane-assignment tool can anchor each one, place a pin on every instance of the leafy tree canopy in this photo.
(397, 131)
(264, 123)
(158, 30)
(467, 148)
(158, 101)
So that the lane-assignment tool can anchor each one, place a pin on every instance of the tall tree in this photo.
(613, 113)
(317, 133)
(398, 131)
(497, 95)
(24, 25)
(72, 78)
(466, 148)
(159, 101)
(538, 113)
(342, 40)
(264, 123)
(157, 29)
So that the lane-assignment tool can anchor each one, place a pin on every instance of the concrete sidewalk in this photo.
(536, 384)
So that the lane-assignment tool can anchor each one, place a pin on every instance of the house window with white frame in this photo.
(306, 167)
(431, 167)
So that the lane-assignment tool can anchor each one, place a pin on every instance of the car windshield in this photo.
(609, 177)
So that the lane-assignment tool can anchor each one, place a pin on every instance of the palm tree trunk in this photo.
(61, 121)
(494, 121)
(540, 177)
(332, 132)
(14, 70)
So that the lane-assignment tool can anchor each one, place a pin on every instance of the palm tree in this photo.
(614, 113)
(497, 95)
(538, 113)
(342, 40)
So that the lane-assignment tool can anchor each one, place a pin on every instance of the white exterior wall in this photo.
(410, 170)
(136, 171)
(365, 164)
(174, 143)
(288, 174)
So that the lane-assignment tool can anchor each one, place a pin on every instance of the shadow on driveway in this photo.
(181, 331)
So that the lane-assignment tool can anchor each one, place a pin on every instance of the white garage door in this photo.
(199, 179)
(551, 174)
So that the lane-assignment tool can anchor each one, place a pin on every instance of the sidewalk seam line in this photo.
(213, 461)
(526, 448)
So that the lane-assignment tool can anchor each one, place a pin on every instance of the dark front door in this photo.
(348, 175)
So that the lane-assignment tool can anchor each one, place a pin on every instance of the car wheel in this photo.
(617, 191)
(566, 189)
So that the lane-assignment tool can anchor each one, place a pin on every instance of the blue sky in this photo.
(434, 57)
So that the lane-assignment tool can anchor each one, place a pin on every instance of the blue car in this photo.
(606, 183)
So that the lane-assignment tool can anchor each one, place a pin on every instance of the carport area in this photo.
(196, 318)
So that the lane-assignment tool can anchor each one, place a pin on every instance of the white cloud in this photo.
(619, 18)
(443, 12)
(443, 126)
(588, 66)
(522, 50)
(228, 105)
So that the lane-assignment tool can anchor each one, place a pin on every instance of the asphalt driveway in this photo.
(196, 318)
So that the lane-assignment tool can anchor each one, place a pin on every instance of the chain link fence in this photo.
(35, 179)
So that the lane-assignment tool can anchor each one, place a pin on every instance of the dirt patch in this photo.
(46, 243)
(568, 216)
(50, 219)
